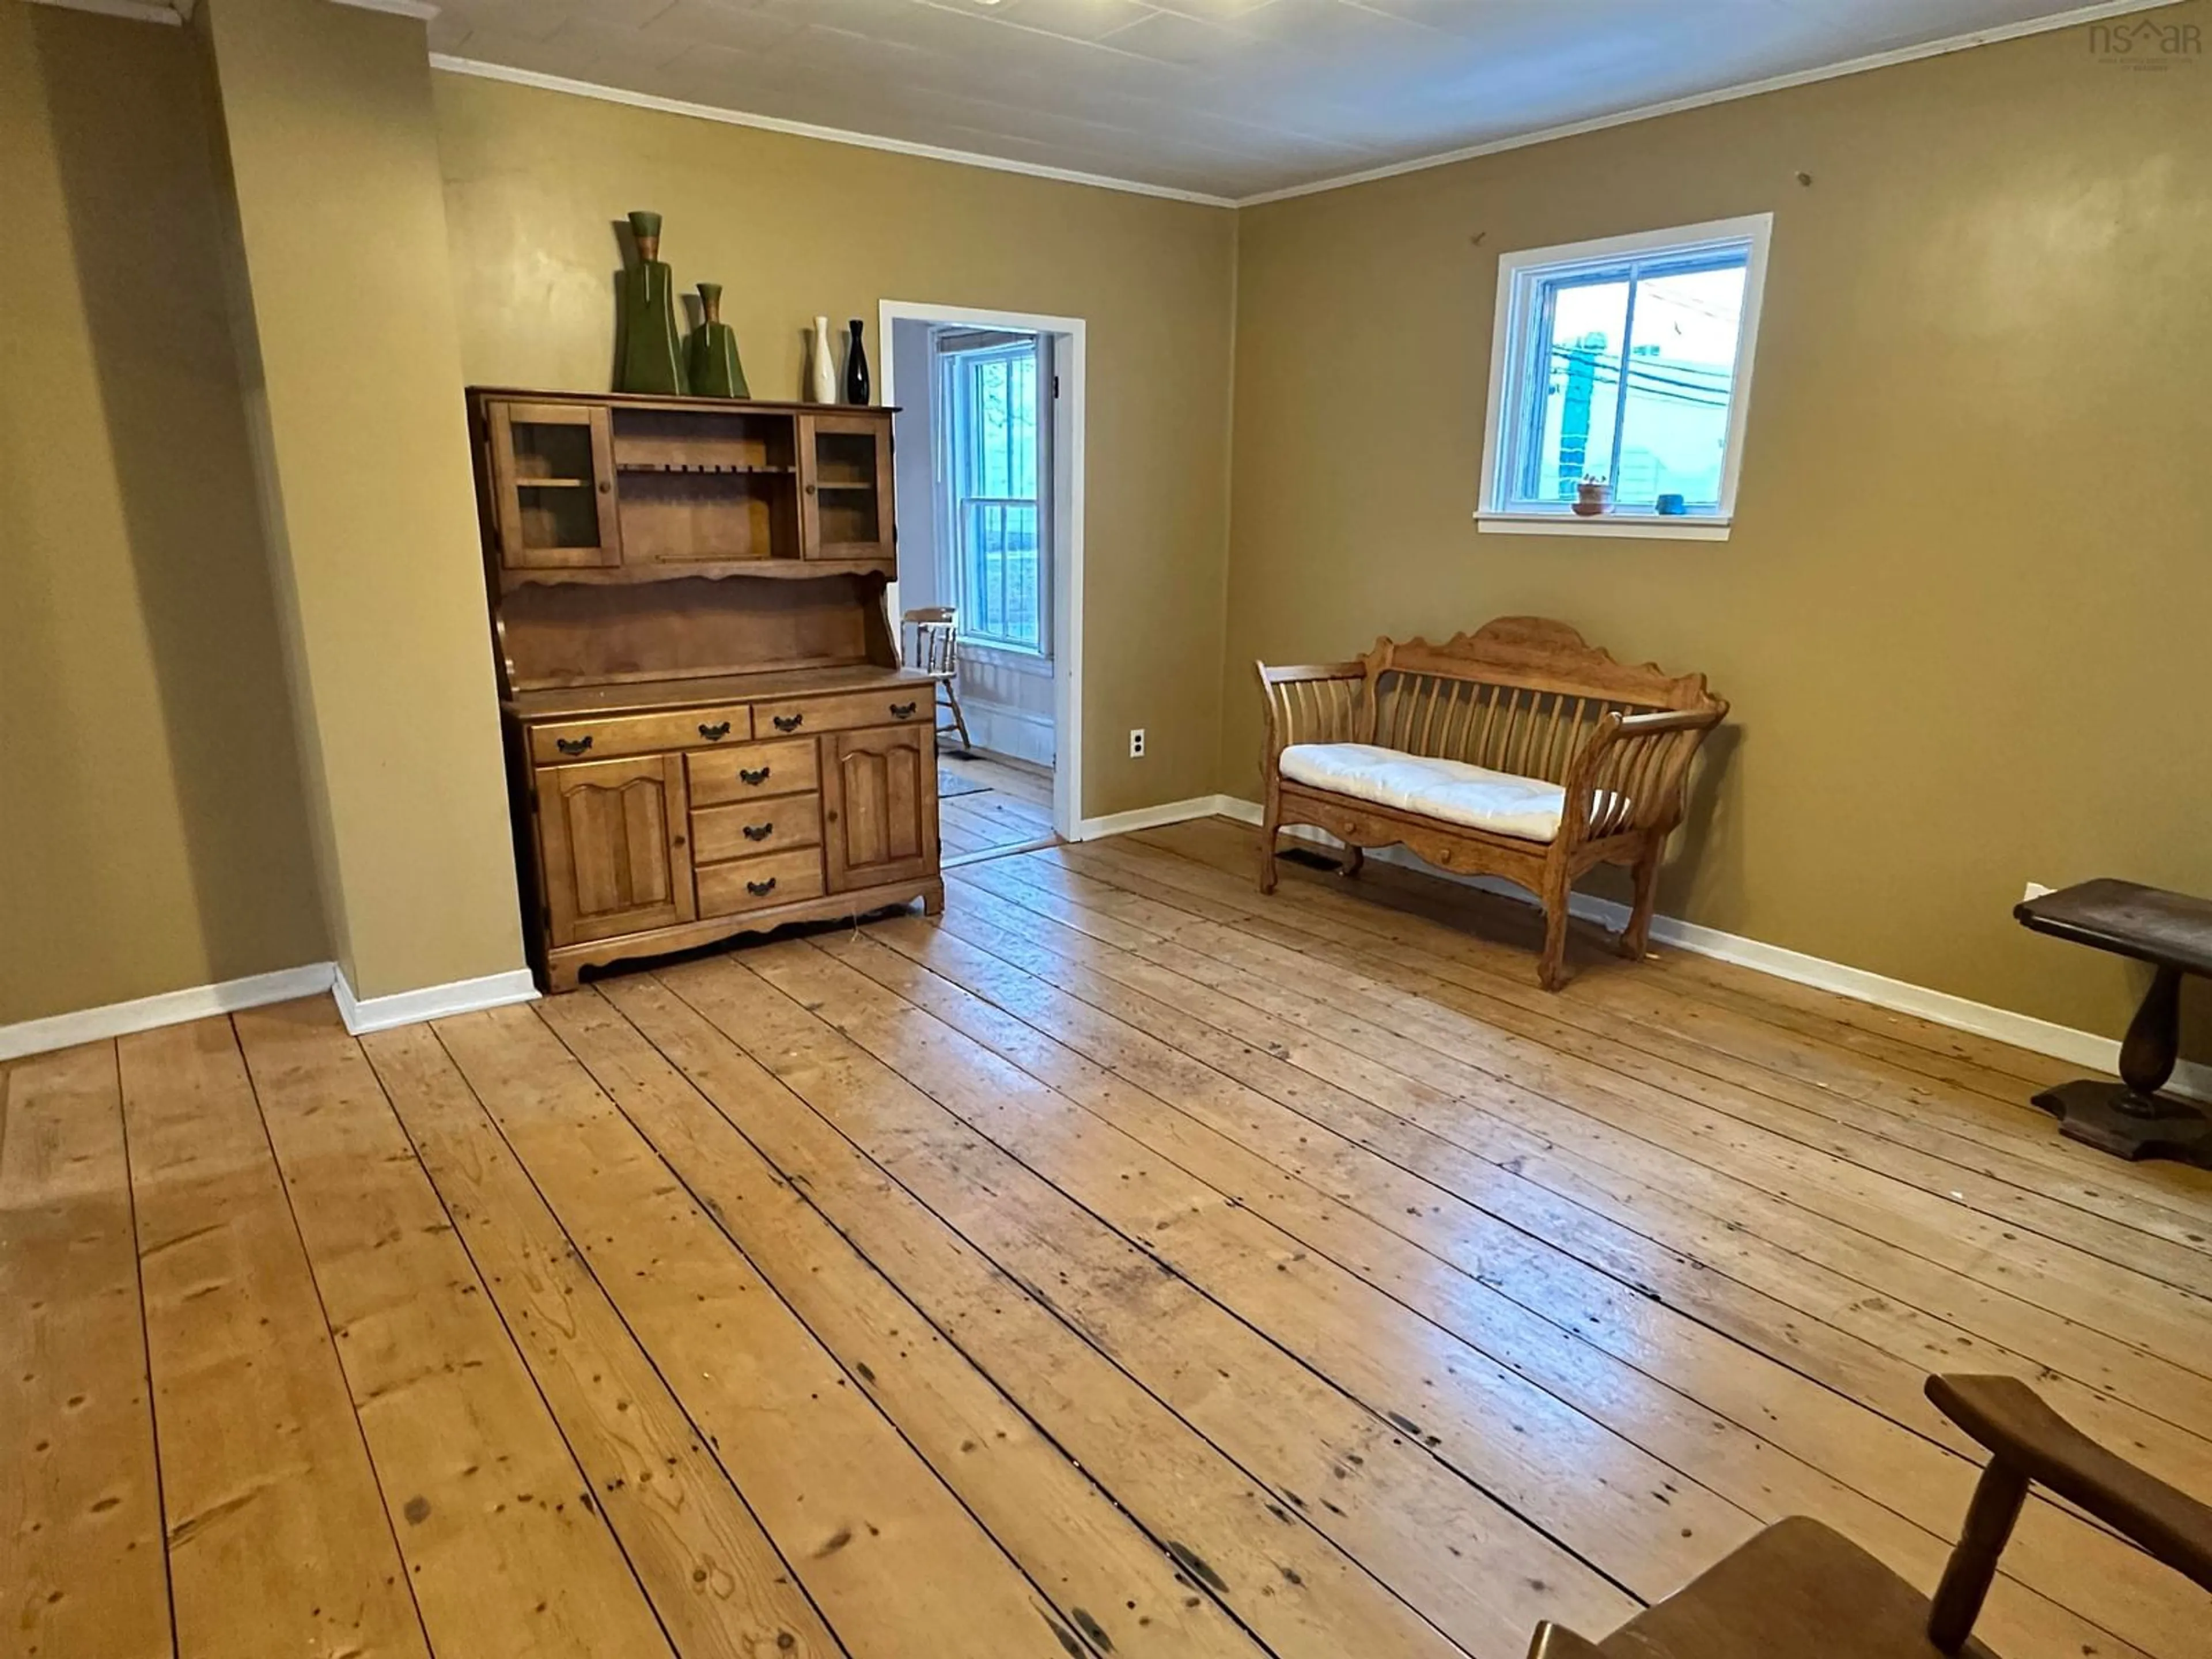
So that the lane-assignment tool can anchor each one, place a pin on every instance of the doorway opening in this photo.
(988, 446)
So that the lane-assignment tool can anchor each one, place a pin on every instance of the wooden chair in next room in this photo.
(933, 634)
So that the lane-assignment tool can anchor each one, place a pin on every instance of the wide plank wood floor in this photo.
(1000, 805)
(1125, 1264)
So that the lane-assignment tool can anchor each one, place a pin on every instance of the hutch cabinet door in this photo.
(879, 806)
(616, 857)
(845, 486)
(553, 486)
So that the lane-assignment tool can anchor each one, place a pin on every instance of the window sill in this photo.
(1019, 659)
(1631, 526)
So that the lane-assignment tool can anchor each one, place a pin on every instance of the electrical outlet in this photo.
(1136, 743)
(2036, 889)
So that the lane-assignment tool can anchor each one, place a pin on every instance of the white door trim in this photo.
(1070, 362)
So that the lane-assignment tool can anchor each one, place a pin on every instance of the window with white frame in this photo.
(1621, 375)
(988, 398)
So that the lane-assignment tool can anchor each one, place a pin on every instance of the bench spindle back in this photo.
(1506, 728)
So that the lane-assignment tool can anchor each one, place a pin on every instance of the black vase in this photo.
(857, 387)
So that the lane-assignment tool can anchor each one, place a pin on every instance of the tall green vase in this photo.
(715, 370)
(651, 360)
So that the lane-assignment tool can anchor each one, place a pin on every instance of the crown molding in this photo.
(420, 10)
(151, 11)
(173, 12)
(133, 11)
(1989, 37)
(521, 77)
(2057, 21)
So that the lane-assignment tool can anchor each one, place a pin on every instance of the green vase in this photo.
(715, 370)
(651, 360)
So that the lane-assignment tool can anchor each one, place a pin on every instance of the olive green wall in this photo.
(151, 830)
(793, 227)
(1963, 617)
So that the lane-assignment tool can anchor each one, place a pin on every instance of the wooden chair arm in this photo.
(1311, 702)
(2012, 1420)
(1628, 775)
(2027, 1442)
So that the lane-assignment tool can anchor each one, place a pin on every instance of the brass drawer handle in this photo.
(759, 775)
(715, 733)
(789, 722)
(903, 710)
(760, 831)
(760, 888)
(573, 745)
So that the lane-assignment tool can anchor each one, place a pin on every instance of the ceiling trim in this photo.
(796, 129)
(1988, 37)
(2057, 21)
(136, 11)
(180, 11)
(421, 11)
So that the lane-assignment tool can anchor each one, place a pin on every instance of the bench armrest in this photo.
(1629, 775)
(1690, 720)
(1312, 702)
(2012, 1420)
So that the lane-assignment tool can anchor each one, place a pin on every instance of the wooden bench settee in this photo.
(1519, 750)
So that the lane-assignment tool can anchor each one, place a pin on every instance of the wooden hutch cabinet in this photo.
(707, 732)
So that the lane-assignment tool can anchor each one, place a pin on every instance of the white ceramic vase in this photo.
(821, 376)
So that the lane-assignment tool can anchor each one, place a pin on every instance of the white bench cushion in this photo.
(1501, 802)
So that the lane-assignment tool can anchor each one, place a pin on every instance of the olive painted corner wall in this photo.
(536, 182)
(1963, 616)
(152, 830)
(350, 357)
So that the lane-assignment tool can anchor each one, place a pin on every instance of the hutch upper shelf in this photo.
(618, 489)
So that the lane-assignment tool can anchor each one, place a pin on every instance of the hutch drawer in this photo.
(748, 829)
(843, 714)
(758, 884)
(639, 734)
(753, 769)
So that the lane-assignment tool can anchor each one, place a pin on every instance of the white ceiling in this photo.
(1218, 98)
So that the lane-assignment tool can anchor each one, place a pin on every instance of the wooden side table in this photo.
(2172, 932)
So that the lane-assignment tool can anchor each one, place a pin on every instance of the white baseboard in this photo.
(1151, 817)
(462, 996)
(1014, 733)
(37, 1037)
(2191, 1078)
